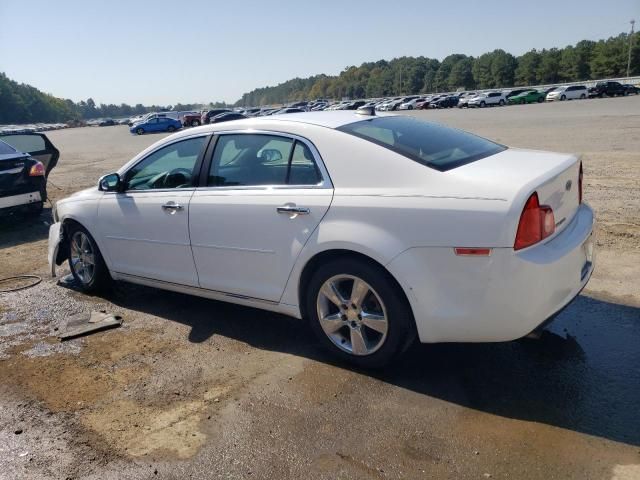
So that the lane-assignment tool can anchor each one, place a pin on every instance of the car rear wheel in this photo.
(85, 261)
(358, 312)
(540, 99)
(140, 131)
(171, 128)
(501, 103)
(195, 123)
(483, 104)
(582, 97)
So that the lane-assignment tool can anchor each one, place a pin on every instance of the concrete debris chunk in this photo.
(85, 324)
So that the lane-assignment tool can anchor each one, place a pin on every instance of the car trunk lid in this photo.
(13, 173)
(514, 174)
(13, 168)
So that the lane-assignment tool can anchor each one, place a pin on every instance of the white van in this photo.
(571, 92)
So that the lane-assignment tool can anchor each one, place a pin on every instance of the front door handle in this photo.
(171, 207)
(293, 210)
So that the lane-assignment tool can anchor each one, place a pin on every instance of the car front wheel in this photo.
(195, 123)
(140, 131)
(171, 128)
(85, 261)
(358, 312)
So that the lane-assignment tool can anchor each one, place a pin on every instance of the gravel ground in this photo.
(192, 388)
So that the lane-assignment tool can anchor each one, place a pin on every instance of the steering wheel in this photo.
(172, 179)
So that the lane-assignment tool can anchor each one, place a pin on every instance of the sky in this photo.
(190, 51)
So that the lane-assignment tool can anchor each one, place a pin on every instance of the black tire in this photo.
(195, 123)
(501, 103)
(583, 96)
(100, 278)
(523, 102)
(540, 99)
(563, 98)
(171, 129)
(483, 104)
(140, 131)
(401, 329)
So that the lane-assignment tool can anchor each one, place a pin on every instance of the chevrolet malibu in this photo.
(373, 228)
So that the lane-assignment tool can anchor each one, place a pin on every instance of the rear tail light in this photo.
(37, 170)
(536, 223)
(580, 184)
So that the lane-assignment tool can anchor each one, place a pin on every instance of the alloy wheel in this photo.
(83, 260)
(352, 315)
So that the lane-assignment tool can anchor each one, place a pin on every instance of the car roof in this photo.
(329, 119)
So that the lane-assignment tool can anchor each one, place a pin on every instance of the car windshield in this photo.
(430, 144)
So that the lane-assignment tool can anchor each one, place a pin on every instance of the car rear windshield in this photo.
(430, 144)
(6, 149)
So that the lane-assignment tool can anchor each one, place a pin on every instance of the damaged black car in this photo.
(26, 159)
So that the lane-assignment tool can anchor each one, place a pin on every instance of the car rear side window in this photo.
(303, 169)
(430, 144)
(6, 149)
(248, 160)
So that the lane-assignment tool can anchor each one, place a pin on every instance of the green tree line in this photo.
(586, 60)
(21, 103)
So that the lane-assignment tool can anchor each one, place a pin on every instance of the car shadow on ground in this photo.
(19, 228)
(583, 374)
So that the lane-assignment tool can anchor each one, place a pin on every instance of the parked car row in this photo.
(171, 121)
(457, 99)
(31, 128)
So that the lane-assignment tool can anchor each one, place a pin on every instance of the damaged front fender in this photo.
(58, 250)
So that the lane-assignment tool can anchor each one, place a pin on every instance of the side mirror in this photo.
(110, 183)
(270, 155)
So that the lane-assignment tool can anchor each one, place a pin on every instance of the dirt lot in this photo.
(192, 388)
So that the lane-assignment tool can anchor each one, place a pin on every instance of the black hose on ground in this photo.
(36, 281)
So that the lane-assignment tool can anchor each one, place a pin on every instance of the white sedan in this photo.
(374, 228)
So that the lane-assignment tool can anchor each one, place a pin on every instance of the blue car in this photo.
(157, 124)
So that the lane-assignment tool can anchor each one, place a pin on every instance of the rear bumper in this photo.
(13, 201)
(501, 297)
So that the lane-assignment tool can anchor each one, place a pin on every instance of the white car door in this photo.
(145, 227)
(265, 195)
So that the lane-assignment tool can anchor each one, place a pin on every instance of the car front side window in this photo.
(169, 167)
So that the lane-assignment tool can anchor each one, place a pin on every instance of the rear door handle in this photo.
(172, 207)
(293, 210)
